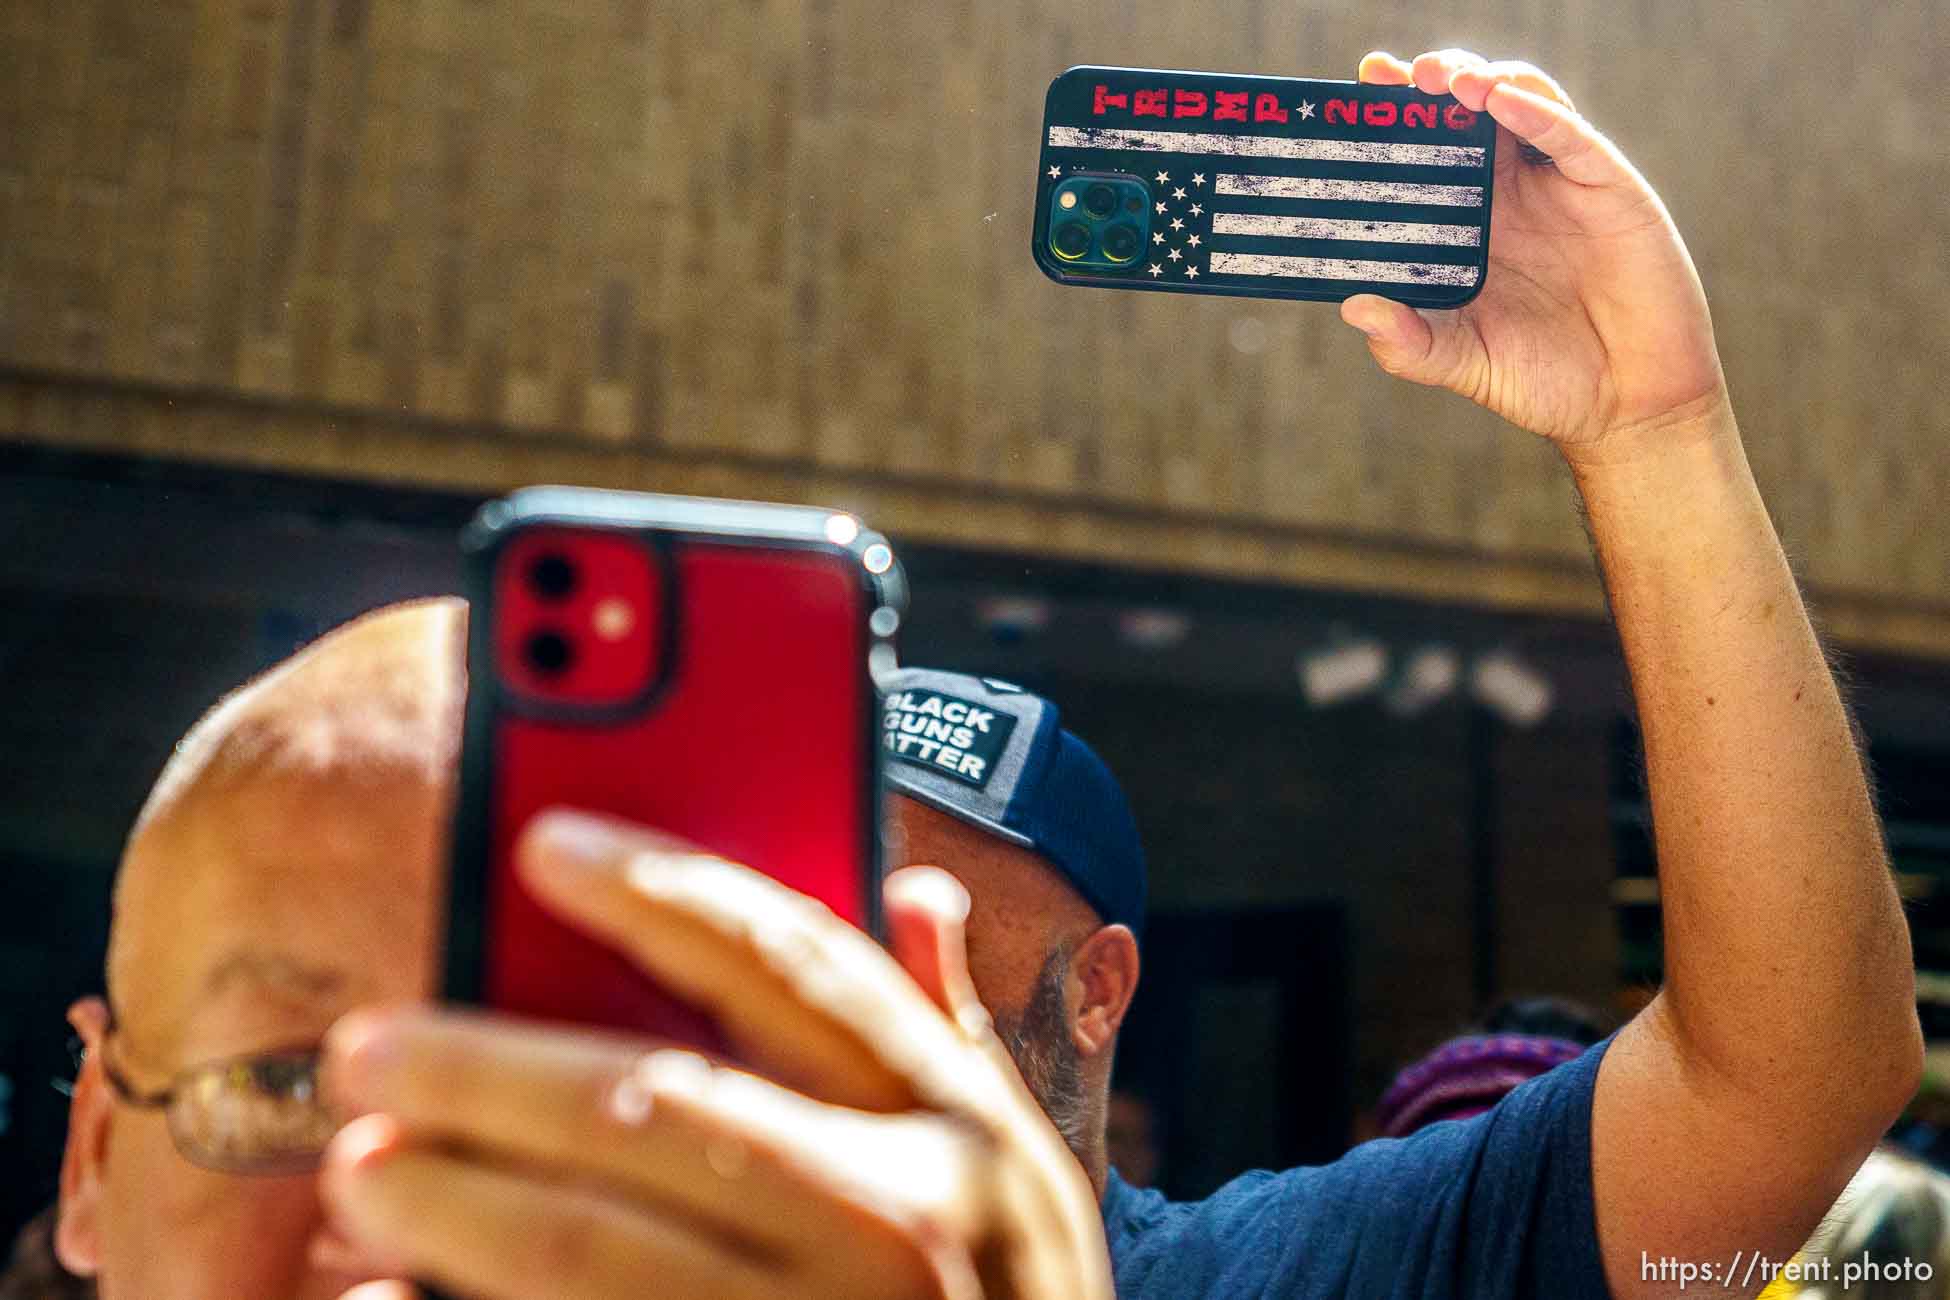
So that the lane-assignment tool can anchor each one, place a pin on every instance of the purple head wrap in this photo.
(1467, 1076)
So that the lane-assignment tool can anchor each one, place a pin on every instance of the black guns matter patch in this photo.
(946, 734)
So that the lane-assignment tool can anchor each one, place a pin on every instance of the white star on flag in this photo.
(1177, 224)
(1164, 177)
(1306, 108)
(1196, 209)
(1156, 269)
(1174, 255)
(1193, 241)
(1055, 172)
(1198, 178)
(1191, 273)
(1157, 237)
(1161, 209)
(1178, 193)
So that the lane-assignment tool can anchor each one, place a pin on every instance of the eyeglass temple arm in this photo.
(118, 1082)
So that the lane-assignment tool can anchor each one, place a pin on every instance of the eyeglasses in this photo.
(257, 1114)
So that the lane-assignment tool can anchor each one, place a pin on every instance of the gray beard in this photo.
(1039, 1040)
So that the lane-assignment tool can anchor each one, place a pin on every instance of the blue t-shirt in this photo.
(1492, 1208)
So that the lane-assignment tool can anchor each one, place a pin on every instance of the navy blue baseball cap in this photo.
(997, 757)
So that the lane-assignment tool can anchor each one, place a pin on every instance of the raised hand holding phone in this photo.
(1591, 321)
(1592, 330)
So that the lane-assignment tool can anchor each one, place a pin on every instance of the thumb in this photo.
(927, 911)
(1424, 347)
(382, 1291)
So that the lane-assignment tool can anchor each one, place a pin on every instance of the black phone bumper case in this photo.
(1262, 186)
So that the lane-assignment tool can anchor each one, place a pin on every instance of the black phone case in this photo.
(1272, 187)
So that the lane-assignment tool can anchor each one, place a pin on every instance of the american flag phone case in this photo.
(1269, 187)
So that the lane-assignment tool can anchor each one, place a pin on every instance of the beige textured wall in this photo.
(779, 249)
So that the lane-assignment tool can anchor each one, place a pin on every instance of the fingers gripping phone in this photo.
(1271, 187)
(700, 667)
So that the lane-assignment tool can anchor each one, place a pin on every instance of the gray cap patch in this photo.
(959, 744)
(947, 735)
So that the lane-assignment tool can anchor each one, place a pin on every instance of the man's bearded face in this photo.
(1039, 1040)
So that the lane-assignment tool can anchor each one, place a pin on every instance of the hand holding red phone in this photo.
(891, 1150)
(1591, 322)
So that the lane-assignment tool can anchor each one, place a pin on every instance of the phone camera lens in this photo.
(1121, 243)
(1071, 240)
(552, 577)
(549, 653)
(1100, 201)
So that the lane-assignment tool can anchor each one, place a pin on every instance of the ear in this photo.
(1106, 965)
(77, 1233)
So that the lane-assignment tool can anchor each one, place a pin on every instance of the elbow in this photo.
(1905, 1062)
(1890, 1040)
(1887, 1068)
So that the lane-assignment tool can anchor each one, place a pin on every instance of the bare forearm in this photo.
(1786, 947)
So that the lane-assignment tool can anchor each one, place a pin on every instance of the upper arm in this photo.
(1696, 1166)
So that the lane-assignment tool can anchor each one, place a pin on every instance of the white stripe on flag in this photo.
(1380, 232)
(1358, 191)
(1302, 187)
(1265, 146)
(1340, 268)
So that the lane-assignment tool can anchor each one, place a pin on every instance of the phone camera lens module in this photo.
(1121, 243)
(548, 653)
(1071, 240)
(552, 577)
(1100, 201)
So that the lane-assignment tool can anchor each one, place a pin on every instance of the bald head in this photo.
(374, 700)
(334, 768)
(285, 869)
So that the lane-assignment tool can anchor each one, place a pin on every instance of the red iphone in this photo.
(701, 667)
